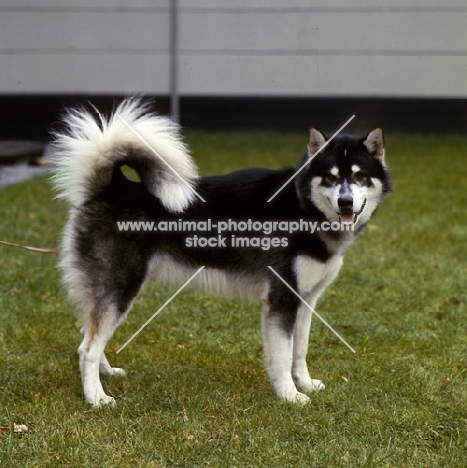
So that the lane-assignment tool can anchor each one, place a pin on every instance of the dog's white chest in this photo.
(313, 274)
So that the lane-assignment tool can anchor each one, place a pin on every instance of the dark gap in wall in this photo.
(32, 117)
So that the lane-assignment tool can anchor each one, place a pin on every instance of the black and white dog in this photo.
(104, 266)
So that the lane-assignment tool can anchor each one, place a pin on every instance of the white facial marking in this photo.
(365, 199)
(324, 198)
(359, 195)
(373, 197)
(334, 171)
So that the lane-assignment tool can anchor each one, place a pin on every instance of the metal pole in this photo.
(174, 94)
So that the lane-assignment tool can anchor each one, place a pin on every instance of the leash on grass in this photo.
(32, 249)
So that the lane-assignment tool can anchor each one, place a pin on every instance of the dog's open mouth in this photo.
(349, 217)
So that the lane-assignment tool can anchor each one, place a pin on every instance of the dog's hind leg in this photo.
(101, 318)
(97, 331)
(104, 291)
(104, 366)
(106, 369)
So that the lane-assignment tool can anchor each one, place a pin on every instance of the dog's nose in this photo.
(345, 201)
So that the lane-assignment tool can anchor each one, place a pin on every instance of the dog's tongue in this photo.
(347, 218)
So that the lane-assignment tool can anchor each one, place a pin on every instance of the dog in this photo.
(338, 182)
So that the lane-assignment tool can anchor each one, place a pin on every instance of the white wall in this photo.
(236, 47)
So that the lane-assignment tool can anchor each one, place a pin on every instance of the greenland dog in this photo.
(104, 267)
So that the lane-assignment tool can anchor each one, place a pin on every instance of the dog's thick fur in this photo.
(104, 268)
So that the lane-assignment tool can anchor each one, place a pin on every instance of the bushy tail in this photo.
(89, 148)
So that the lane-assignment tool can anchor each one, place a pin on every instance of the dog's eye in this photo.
(359, 177)
(331, 178)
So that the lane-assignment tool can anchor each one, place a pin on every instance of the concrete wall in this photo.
(235, 47)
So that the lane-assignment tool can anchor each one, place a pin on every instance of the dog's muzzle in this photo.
(346, 212)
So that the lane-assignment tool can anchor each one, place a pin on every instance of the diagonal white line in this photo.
(160, 309)
(161, 158)
(312, 310)
(309, 160)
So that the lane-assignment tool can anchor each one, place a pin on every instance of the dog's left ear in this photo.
(315, 141)
(374, 143)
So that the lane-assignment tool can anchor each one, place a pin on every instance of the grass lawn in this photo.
(197, 393)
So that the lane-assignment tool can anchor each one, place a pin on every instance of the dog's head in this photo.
(345, 178)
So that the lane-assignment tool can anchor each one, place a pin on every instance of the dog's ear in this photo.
(374, 143)
(315, 141)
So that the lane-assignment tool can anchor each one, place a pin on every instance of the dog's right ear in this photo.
(315, 141)
(374, 143)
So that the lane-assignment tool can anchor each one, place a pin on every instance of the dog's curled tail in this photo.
(89, 148)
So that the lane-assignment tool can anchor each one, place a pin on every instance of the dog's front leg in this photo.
(300, 373)
(278, 326)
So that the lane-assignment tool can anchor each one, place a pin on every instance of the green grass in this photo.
(197, 394)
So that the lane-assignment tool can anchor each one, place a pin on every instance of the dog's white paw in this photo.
(116, 371)
(101, 400)
(293, 396)
(301, 399)
(107, 370)
(311, 385)
(297, 397)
